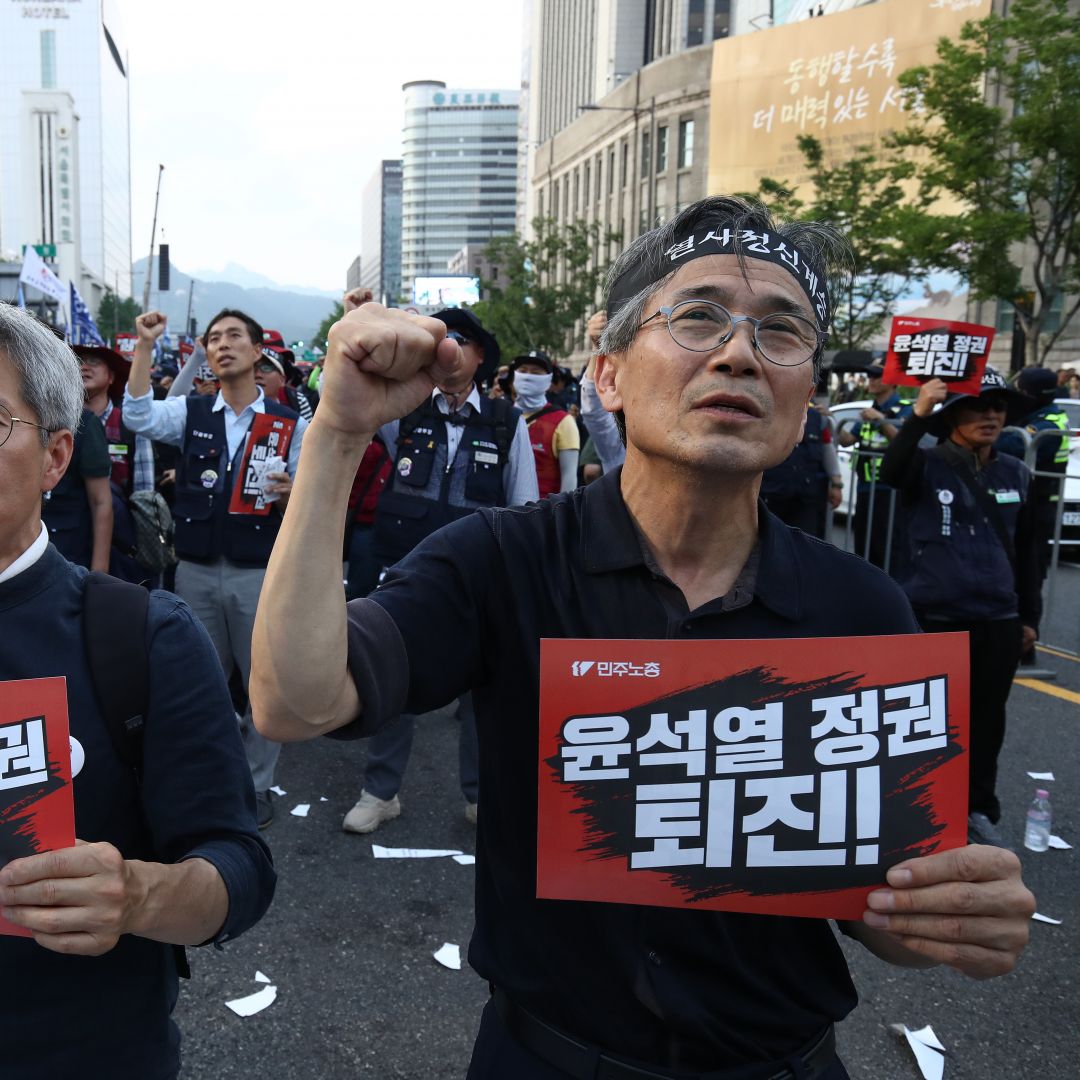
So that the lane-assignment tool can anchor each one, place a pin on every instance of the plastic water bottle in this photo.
(1037, 833)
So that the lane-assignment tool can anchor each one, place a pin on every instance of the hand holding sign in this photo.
(932, 393)
(966, 908)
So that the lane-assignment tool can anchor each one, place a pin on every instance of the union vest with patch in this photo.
(121, 450)
(426, 490)
(542, 425)
(204, 477)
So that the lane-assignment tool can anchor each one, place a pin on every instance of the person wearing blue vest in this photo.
(799, 489)
(459, 451)
(223, 556)
(971, 531)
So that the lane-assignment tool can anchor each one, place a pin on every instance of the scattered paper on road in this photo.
(1046, 919)
(1061, 845)
(300, 810)
(260, 977)
(927, 1049)
(381, 852)
(277, 791)
(449, 956)
(465, 860)
(1041, 775)
(253, 1003)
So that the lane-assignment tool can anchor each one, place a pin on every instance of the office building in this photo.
(459, 173)
(65, 177)
(380, 233)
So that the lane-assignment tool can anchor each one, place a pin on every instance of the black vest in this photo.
(204, 478)
(426, 491)
(802, 475)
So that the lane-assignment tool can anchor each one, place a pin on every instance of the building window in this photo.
(661, 149)
(721, 19)
(587, 183)
(576, 204)
(625, 164)
(611, 173)
(646, 154)
(686, 143)
(555, 201)
(695, 23)
(48, 59)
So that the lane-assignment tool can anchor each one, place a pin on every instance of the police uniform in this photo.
(797, 490)
(866, 462)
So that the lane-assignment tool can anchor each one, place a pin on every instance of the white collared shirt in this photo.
(28, 557)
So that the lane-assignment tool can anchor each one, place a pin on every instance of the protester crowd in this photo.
(465, 481)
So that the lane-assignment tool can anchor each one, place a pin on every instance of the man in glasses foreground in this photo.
(715, 323)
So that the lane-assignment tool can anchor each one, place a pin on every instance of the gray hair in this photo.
(48, 371)
(825, 245)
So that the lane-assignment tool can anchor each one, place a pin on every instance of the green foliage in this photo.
(884, 216)
(116, 316)
(323, 332)
(1011, 156)
(549, 283)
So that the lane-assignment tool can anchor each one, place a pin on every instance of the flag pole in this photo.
(153, 233)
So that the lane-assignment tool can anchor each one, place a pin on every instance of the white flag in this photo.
(37, 275)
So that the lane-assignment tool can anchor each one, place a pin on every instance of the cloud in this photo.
(271, 117)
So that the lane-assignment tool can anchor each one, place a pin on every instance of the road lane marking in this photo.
(1050, 688)
(1058, 652)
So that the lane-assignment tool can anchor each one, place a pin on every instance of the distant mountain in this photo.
(235, 274)
(296, 314)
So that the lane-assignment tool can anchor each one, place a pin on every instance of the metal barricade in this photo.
(874, 493)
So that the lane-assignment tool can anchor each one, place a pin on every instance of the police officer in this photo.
(1051, 454)
(798, 490)
(879, 426)
(459, 451)
(973, 567)
(223, 555)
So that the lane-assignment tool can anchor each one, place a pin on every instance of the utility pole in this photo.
(150, 257)
(190, 298)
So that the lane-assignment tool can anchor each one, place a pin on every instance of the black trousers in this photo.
(995, 653)
(498, 1056)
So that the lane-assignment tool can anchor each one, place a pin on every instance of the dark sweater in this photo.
(110, 1015)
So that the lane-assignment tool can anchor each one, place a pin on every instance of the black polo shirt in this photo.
(466, 610)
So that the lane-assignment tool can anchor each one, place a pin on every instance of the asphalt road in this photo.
(349, 940)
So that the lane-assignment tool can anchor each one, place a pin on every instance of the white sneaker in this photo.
(470, 813)
(369, 813)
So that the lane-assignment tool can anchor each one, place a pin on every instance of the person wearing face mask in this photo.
(972, 533)
(556, 443)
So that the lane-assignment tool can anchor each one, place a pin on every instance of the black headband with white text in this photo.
(720, 239)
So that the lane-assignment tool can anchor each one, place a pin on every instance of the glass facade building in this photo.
(380, 233)
(459, 173)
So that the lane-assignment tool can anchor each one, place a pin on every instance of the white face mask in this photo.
(531, 390)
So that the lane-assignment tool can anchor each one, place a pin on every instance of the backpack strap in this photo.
(114, 633)
(505, 418)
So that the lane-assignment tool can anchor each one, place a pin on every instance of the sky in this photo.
(271, 116)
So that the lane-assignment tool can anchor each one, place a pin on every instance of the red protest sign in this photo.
(125, 344)
(778, 777)
(266, 451)
(37, 812)
(922, 349)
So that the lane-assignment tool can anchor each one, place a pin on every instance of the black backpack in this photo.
(114, 636)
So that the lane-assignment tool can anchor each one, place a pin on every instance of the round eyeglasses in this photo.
(702, 326)
(8, 422)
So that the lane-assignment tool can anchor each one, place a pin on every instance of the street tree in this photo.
(873, 199)
(116, 315)
(540, 288)
(323, 332)
(998, 119)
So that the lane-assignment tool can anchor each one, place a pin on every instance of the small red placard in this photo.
(923, 349)
(37, 811)
(269, 437)
(779, 777)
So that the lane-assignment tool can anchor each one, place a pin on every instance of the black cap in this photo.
(1017, 404)
(1037, 382)
(536, 356)
(465, 322)
(875, 371)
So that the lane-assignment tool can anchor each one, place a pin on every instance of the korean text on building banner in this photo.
(777, 777)
(267, 451)
(922, 349)
(37, 812)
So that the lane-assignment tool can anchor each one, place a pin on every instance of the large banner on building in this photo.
(835, 78)
(780, 777)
